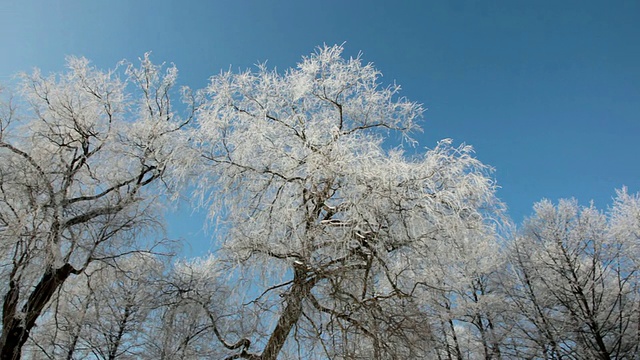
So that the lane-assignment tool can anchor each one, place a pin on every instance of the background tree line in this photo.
(334, 242)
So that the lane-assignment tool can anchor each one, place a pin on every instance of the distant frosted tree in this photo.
(192, 312)
(576, 290)
(466, 304)
(103, 313)
(335, 233)
(77, 156)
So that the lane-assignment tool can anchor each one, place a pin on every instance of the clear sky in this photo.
(547, 92)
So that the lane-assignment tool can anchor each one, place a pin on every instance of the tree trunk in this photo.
(113, 352)
(16, 327)
(290, 315)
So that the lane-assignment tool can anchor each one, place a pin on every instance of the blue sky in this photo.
(547, 92)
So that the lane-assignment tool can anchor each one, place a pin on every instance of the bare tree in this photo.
(76, 160)
(339, 230)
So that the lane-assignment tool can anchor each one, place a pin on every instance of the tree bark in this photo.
(300, 289)
(16, 327)
(113, 352)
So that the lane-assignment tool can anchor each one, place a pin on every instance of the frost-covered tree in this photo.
(466, 307)
(191, 313)
(335, 233)
(575, 288)
(333, 243)
(102, 314)
(80, 153)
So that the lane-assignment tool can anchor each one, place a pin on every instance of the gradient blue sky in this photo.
(547, 92)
